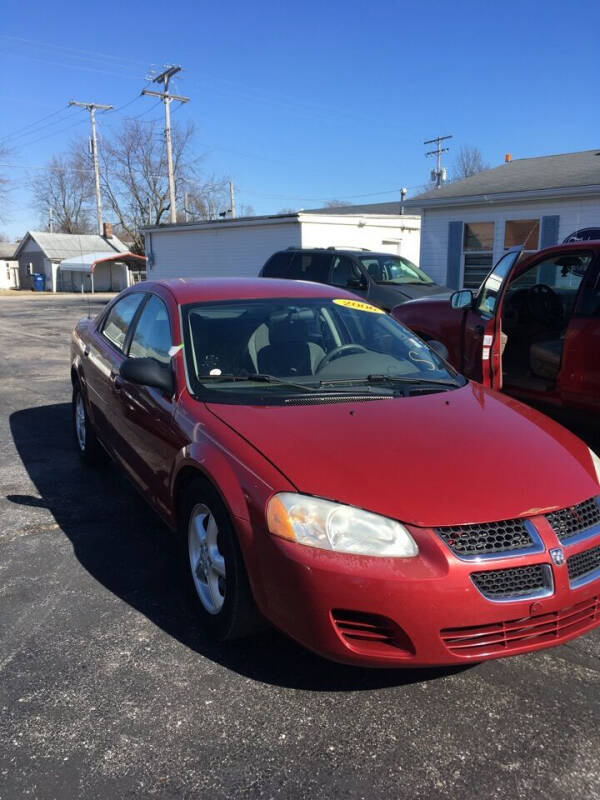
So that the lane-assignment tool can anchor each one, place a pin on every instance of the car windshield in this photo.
(280, 346)
(393, 269)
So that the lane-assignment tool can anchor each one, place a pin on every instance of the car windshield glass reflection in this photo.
(393, 269)
(274, 346)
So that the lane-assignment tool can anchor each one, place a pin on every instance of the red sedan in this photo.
(326, 471)
(532, 328)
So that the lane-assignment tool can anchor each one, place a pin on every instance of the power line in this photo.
(50, 135)
(78, 67)
(35, 122)
(86, 53)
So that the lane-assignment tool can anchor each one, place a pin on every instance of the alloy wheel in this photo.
(80, 422)
(206, 560)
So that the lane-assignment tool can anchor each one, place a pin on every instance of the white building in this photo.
(536, 202)
(239, 247)
(9, 266)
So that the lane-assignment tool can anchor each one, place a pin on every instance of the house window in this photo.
(525, 232)
(478, 250)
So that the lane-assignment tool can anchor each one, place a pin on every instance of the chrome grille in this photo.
(569, 522)
(582, 566)
(534, 580)
(487, 537)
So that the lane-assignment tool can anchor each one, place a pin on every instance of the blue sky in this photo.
(300, 103)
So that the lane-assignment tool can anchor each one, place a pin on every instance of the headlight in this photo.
(596, 463)
(332, 526)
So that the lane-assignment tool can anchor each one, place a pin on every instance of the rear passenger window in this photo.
(119, 317)
(276, 266)
(310, 267)
(152, 337)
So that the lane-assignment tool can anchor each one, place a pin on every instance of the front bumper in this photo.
(418, 612)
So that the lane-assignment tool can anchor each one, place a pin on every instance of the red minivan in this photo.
(532, 328)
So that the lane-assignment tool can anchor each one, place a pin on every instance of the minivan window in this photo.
(310, 267)
(344, 272)
(277, 266)
(393, 269)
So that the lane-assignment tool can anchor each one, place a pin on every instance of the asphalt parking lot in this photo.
(109, 689)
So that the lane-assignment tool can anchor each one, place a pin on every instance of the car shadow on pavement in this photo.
(119, 540)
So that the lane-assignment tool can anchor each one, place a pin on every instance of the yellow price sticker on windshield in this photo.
(358, 305)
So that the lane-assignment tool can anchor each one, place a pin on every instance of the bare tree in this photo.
(336, 203)
(134, 177)
(469, 161)
(205, 199)
(65, 188)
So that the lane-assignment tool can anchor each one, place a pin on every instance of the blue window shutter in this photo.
(549, 231)
(455, 236)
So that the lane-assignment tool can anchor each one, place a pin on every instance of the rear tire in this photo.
(213, 570)
(86, 441)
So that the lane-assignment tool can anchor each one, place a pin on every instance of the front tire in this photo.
(213, 568)
(86, 441)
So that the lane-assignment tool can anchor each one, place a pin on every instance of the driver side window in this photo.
(561, 274)
(492, 286)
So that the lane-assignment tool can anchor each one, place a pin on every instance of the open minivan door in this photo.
(482, 327)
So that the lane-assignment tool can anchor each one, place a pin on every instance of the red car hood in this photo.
(468, 455)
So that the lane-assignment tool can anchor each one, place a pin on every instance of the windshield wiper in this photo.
(262, 377)
(374, 378)
(258, 377)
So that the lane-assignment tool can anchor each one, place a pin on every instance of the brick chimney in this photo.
(107, 230)
(507, 158)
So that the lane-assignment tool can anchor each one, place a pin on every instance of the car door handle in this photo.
(86, 352)
(117, 381)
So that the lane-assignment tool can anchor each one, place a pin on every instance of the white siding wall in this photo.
(218, 252)
(385, 234)
(240, 250)
(574, 213)
(9, 274)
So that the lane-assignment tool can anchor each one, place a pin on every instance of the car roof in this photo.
(200, 290)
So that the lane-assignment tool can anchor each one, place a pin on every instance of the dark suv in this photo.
(382, 278)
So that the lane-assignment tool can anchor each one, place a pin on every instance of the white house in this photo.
(239, 247)
(9, 266)
(535, 202)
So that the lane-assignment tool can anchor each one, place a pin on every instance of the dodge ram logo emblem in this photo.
(558, 556)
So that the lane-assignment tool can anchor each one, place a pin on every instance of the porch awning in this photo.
(87, 261)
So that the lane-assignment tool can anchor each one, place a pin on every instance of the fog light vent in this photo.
(371, 634)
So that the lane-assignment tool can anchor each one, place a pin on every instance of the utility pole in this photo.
(91, 107)
(231, 199)
(51, 219)
(439, 174)
(164, 78)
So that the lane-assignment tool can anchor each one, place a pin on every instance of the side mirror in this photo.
(462, 299)
(439, 348)
(148, 372)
